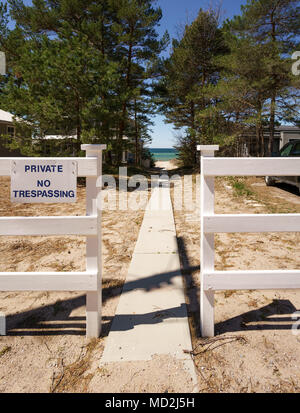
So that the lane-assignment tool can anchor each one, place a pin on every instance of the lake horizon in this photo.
(163, 154)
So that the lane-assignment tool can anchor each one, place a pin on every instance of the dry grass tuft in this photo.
(75, 377)
(5, 350)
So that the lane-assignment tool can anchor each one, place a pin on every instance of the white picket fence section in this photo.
(89, 226)
(211, 223)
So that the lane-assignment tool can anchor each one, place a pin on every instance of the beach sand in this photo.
(167, 165)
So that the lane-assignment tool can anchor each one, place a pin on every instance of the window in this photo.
(11, 131)
(296, 150)
(286, 151)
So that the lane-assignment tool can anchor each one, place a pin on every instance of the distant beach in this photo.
(163, 154)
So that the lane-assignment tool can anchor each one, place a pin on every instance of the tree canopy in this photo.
(224, 81)
(93, 70)
(79, 68)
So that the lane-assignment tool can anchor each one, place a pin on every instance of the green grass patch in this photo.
(240, 188)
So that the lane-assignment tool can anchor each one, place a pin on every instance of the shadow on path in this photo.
(55, 319)
(192, 291)
(124, 322)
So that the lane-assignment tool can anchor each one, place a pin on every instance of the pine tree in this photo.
(137, 46)
(275, 23)
(190, 72)
(243, 91)
(80, 65)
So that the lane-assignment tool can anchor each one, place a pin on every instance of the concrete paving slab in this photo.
(158, 223)
(156, 243)
(157, 233)
(151, 317)
(151, 266)
(160, 200)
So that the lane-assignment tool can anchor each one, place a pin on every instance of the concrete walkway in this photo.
(151, 317)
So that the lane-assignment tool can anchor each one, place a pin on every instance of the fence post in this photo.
(207, 245)
(93, 245)
(2, 324)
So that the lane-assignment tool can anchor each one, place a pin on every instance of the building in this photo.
(283, 135)
(6, 124)
(7, 131)
(55, 143)
(287, 134)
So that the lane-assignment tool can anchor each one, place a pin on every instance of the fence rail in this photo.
(212, 223)
(47, 281)
(251, 280)
(87, 167)
(14, 226)
(250, 166)
(89, 226)
(251, 223)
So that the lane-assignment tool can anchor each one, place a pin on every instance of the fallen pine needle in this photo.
(209, 343)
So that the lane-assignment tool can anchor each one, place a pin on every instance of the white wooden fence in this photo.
(212, 280)
(89, 226)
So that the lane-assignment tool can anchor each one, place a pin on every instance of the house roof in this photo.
(6, 116)
(288, 128)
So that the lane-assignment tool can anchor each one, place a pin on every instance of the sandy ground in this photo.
(255, 350)
(162, 374)
(46, 349)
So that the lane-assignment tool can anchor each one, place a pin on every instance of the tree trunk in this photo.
(273, 95)
(262, 142)
(124, 106)
(257, 150)
(121, 134)
(272, 124)
(193, 137)
(136, 135)
(78, 130)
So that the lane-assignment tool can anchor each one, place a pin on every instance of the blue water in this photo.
(165, 154)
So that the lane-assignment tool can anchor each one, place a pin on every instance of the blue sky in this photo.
(177, 12)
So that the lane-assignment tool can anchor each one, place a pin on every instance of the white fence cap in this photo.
(93, 148)
(208, 148)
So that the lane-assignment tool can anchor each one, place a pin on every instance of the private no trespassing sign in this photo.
(43, 181)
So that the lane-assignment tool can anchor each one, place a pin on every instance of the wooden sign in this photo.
(43, 181)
